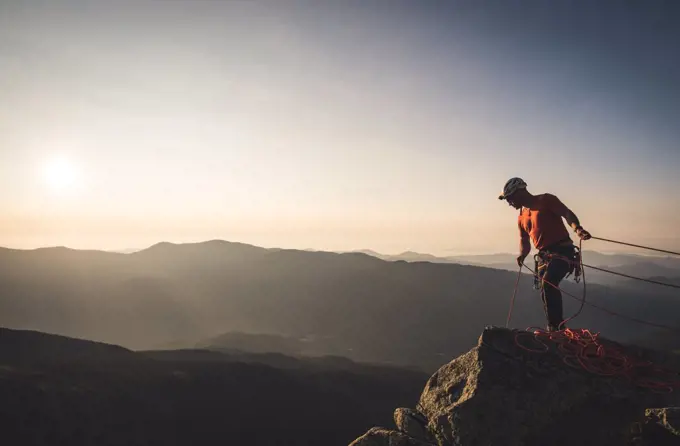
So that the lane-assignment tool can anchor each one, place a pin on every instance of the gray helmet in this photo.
(511, 186)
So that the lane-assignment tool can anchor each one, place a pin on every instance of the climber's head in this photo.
(515, 193)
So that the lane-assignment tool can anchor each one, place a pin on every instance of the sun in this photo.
(61, 174)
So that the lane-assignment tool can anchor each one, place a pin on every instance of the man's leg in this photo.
(552, 297)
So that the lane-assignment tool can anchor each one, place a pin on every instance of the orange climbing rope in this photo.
(628, 276)
(583, 298)
(636, 246)
(610, 312)
(514, 294)
(582, 349)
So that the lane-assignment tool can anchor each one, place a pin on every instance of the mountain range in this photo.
(645, 266)
(63, 391)
(234, 296)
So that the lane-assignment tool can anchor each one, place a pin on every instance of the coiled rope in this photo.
(582, 349)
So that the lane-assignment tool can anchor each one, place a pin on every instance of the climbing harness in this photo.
(543, 259)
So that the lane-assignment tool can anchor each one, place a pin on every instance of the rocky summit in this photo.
(535, 388)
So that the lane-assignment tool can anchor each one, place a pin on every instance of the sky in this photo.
(385, 125)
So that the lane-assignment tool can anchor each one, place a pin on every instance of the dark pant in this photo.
(553, 270)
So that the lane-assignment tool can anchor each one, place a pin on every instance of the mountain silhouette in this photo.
(21, 347)
(57, 390)
(351, 304)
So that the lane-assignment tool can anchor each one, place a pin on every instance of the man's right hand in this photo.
(520, 259)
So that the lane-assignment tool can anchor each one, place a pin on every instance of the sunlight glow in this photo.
(61, 175)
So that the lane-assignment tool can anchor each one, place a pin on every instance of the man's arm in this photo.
(563, 211)
(572, 219)
(524, 244)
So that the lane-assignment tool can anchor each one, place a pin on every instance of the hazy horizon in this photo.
(389, 126)
(441, 253)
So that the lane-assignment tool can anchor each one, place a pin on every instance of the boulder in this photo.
(533, 388)
(412, 423)
(660, 427)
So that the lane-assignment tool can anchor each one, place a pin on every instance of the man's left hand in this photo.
(582, 233)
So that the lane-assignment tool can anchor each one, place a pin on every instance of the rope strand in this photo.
(512, 302)
(633, 277)
(656, 282)
(612, 313)
(635, 246)
(583, 299)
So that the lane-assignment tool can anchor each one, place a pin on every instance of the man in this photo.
(540, 222)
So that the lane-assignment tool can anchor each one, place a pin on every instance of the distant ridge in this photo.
(88, 393)
(28, 346)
